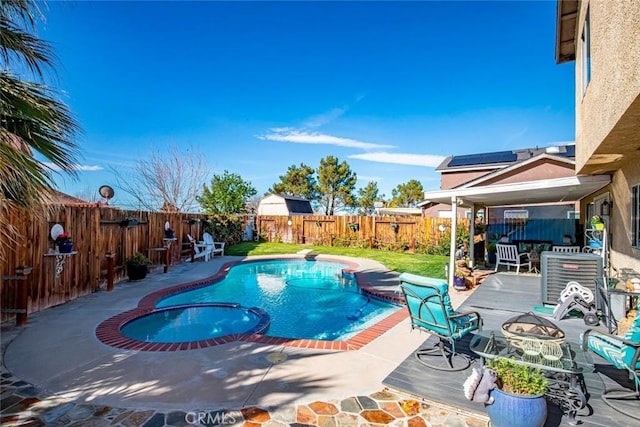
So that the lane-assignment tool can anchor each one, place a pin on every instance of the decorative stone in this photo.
(285, 415)
(326, 421)
(9, 402)
(273, 423)
(29, 391)
(305, 415)
(323, 408)
(137, 418)
(383, 395)
(410, 407)
(156, 421)
(255, 414)
(367, 403)
(91, 422)
(81, 412)
(377, 416)
(416, 422)
(177, 419)
(350, 405)
(393, 408)
(56, 412)
(122, 416)
(346, 420)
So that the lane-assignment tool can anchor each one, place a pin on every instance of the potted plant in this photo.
(597, 222)
(64, 243)
(459, 280)
(138, 266)
(518, 399)
(491, 252)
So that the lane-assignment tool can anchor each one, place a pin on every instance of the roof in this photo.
(570, 162)
(60, 198)
(399, 211)
(500, 159)
(566, 189)
(566, 19)
(294, 205)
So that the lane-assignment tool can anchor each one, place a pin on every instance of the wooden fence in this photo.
(98, 231)
(95, 231)
(398, 233)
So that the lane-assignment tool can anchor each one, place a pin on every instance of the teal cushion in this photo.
(424, 286)
(429, 304)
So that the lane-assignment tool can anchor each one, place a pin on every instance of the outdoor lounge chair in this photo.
(202, 250)
(507, 254)
(215, 247)
(430, 310)
(623, 353)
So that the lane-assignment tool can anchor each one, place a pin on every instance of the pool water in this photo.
(303, 298)
(194, 323)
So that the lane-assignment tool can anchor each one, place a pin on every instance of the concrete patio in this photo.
(60, 367)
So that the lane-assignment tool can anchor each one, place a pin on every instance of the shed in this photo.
(275, 204)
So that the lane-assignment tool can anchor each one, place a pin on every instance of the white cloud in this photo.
(304, 137)
(323, 119)
(427, 160)
(80, 168)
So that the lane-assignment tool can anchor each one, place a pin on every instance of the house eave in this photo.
(566, 22)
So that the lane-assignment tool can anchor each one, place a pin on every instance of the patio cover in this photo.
(568, 189)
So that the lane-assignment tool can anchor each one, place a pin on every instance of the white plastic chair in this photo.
(202, 250)
(215, 247)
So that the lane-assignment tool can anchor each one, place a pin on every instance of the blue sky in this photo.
(392, 88)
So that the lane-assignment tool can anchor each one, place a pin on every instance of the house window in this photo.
(573, 215)
(635, 216)
(585, 42)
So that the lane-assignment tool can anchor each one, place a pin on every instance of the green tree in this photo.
(228, 194)
(299, 181)
(407, 195)
(367, 197)
(336, 184)
(31, 117)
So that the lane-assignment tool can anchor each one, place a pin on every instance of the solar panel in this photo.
(484, 158)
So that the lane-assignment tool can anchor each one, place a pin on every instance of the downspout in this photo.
(454, 227)
(472, 232)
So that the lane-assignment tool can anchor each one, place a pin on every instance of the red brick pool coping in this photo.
(108, 332)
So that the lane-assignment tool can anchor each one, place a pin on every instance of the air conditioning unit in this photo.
(559, 268)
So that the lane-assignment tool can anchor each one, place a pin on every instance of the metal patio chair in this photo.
(430, 310)
(623, 353)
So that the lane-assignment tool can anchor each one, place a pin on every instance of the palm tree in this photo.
(31, 118)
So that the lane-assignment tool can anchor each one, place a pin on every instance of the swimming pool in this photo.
(309, 299)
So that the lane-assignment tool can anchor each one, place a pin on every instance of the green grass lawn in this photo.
(425, 265)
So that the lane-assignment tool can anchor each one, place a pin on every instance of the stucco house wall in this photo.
(612, 96)
(623, 253)
(608, 114)
(542, 169)
(454, 179)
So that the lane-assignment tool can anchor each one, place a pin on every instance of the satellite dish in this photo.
(106, 192)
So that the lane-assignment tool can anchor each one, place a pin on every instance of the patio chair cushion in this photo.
(431, 305)
(613, 349)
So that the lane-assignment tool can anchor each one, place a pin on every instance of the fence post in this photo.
(24, 275)
(166, 260)
(110, 270)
